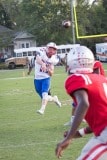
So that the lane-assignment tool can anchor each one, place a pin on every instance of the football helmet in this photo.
(52, 45)
(80, 60)
(66, 23)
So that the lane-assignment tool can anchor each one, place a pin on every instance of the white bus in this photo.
(65, 49)
(28, 52)
(101, 52)
(23, 55)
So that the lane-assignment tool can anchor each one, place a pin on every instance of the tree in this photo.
(4, 17)
(43, 18)
(5, 28)
(91, 21)
(11, 8)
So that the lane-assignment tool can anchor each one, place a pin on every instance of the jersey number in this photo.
(88, 81)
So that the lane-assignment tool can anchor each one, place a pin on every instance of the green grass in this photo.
(25, 135)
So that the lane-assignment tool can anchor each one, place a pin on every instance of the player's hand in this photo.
(61, 147)
(43, 67)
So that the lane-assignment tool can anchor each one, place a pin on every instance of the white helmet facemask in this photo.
(80, 60)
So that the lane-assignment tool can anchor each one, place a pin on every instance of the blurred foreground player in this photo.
(98, 69)
(90, 92)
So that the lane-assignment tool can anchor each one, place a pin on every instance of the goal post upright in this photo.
(77, 30)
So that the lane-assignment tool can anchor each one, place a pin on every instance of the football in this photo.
(66, 23)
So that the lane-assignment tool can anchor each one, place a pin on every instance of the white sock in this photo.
(44, 103)
(43, 108)
(50, 98)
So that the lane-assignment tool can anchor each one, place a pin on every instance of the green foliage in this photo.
(104, 2)
(5, 39)
(4, 17)
(91, 21)
(43, 18)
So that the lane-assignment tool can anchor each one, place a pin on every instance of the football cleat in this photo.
(56, 100)
(68, 123)
(40, 112)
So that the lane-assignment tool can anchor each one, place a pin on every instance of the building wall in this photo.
(24, 43)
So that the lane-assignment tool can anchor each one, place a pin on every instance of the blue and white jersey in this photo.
(39, 74)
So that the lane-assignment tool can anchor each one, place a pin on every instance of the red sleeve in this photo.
(75, 82)
(98, 65)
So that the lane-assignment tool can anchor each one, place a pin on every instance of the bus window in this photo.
(67, 50)
(29, 53)
(58, 51)
(34, 53)
(63, 51)
(19, 54)
(14, 54)
(24, 54)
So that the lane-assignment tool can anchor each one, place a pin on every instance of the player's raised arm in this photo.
(40, 61)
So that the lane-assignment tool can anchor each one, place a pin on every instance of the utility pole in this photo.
(72, 21)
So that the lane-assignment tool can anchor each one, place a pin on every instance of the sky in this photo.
(91, 1)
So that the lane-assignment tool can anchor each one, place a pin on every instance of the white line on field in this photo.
(24, 77)
(16, 78)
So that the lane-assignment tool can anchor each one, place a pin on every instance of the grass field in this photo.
(25, 135)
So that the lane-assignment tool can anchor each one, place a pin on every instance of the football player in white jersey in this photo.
(44, 69)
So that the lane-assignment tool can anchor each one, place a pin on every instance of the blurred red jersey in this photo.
(96, 87)
(98, 65)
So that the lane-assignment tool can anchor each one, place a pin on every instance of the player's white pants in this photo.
(96, 148)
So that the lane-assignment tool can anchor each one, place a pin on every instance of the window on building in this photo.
(27, 45)
(23, 45)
